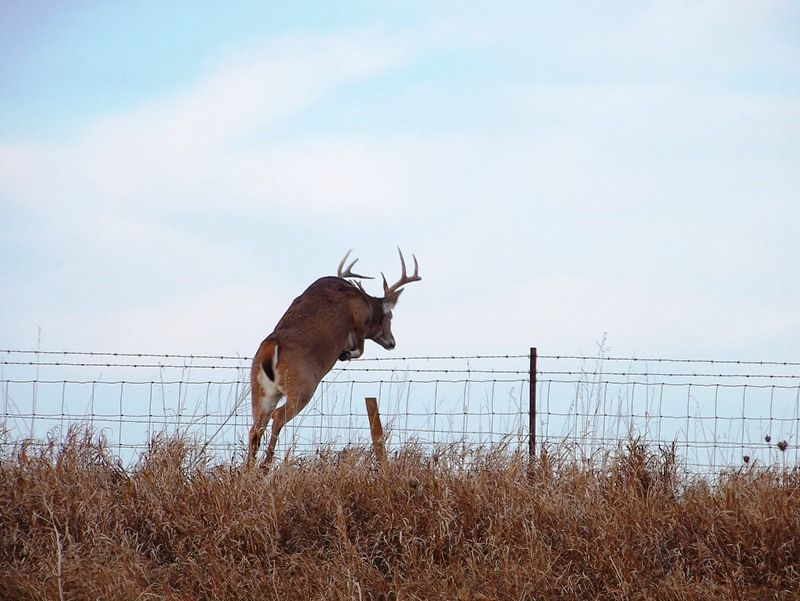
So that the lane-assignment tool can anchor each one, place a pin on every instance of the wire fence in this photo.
(718, 413)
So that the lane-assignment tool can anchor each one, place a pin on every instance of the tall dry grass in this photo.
(76, 525)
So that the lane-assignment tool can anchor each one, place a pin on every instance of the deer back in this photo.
(317, 325)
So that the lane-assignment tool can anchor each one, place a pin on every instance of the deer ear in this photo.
(390, 301)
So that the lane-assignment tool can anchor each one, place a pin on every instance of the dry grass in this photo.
(75, 525)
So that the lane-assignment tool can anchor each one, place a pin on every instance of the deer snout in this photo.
(385, 341)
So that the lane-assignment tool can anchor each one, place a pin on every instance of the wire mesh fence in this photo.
(718, 414)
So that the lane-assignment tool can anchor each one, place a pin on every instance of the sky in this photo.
(173, 174)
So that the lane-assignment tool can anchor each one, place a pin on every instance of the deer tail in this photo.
(266, 359)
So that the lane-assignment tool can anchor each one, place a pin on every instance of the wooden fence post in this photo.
(376, 429)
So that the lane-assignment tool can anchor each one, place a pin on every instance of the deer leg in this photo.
(263, 406)
(358, 349)
(281, 416)
(256, 432)
(354, 348)
(349, 348)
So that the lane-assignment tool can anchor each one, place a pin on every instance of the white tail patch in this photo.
(270, 386)
(271, 392)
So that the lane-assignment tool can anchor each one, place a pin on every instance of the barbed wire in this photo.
(138, 355)
(405, 369)
(665, 375)
(229, 382)
(199, 367)
(646, 383)
(412, 357)
(223, 357)
(124, 365)
(247, 358)
(669, 360)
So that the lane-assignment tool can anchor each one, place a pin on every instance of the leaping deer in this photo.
(329, 321)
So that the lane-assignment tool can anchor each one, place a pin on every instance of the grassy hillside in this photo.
(75, 525)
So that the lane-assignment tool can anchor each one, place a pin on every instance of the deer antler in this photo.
(347, 273)
(404, 278)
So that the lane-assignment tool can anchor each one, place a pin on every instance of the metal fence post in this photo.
(532, 406)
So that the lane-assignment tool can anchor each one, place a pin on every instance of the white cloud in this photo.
(714, 37)
(171, 150)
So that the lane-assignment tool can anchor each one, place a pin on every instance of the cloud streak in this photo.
(170, 150)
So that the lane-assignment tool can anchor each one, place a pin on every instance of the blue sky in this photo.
(172, 175)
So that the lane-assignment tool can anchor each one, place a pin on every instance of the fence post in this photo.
(376, 429)
(532, 405)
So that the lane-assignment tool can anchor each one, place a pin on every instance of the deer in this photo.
(329, 321)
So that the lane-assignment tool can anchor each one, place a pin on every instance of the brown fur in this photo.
(329, 320)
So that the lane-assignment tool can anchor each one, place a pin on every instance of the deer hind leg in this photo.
(295, 401)
(265, 399)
